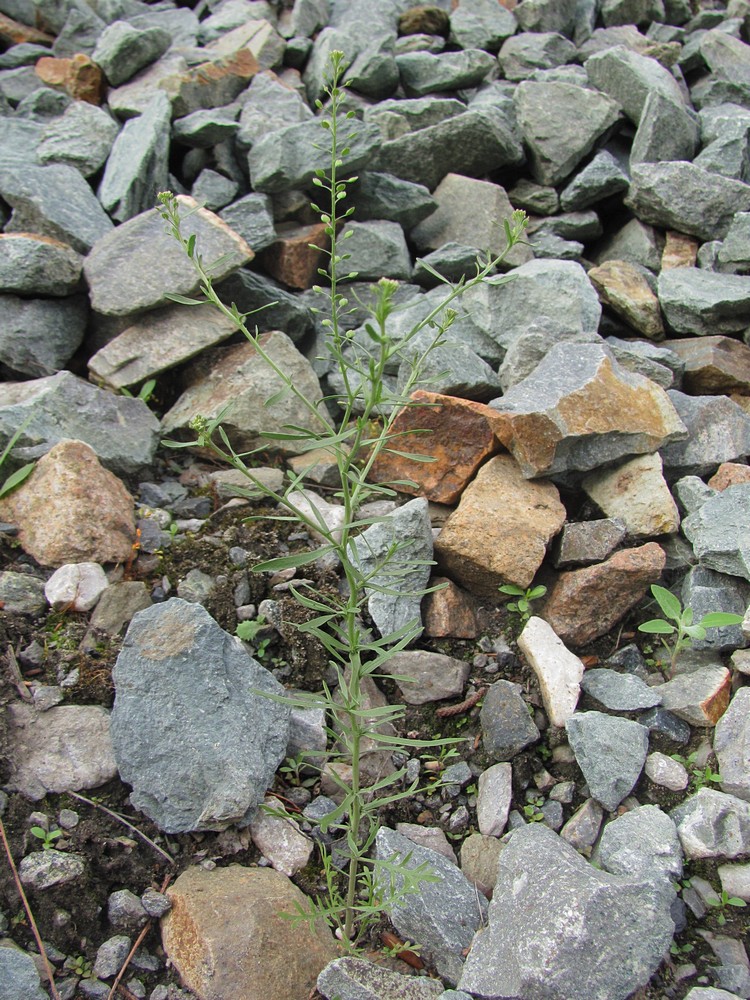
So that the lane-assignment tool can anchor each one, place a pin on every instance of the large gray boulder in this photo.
(562, 930)
(191, 730)
(703, 303)
(629, 78)
(718, 531)
(718, 431)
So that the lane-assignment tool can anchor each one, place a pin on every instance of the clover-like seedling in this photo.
(721, 901)
(522, 607)
(47, 837)
(680, 625)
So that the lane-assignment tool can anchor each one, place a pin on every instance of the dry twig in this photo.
(121, 819)
(450, 710)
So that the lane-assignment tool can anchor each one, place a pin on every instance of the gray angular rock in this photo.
(547, 15)
(353, 978)
(585, 542)
(642, 843)
(39, 336)
(138, 166)
(713, 824)
(203, 129)
(734, 253)
(667, 131)
(268, 104)
(123, 432)
(581, 118)
(507, 727)
(535, 947)
(473, 143)
(619, 692)
(718, 431)
(378, 249)
(424, 676)
(190, 731)
(22, 594)
(444, 915)
(638, 416)
(703, 303)
(110, 956)
(214, 190)
(380, 196)
(599, 179)
(706, 591)
(732, 746)
(273, 307)
(685, 197)
(481, 24)
(396, 118)
(251, 217)
(628, 78)
(286, 158)
(611, 753)
(53, 201)
(19, 979)
(139, 264)
(81, 137)
(632, 11)
(634, 242)
(699, 696)
(453, 369)
(423, 73)
(45, 869)
(717, 533)
(67, 748)
(410, 526)
(33, 265)
(522, 54)
(122, 50)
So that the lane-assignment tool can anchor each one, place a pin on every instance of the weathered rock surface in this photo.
(732, 746)
(213, 743)
(558, 671)
(611, 753)
(424, 676)
(356, 978)
(249, 903)
(713, 824)
(617, 939)
(636, 493)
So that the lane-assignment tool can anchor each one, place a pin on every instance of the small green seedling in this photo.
(145, 393)
(532, 812)
(684, 630)
(721, 901)
(249, 632)
(296, 771)
(80, 966)
(15, 478)
(47, 837)
(522, 607)
(681, 950)
(699, 776)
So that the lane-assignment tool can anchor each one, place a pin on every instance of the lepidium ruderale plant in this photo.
(367, 887)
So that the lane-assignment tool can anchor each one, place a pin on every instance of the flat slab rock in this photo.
(560, 928)
(190, 733)
(356, 979)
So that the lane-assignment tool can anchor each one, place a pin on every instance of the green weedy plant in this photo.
(721, 901)
(522, 607)
(47, 837)
(15, 478)
(366, 887)
(680, 624)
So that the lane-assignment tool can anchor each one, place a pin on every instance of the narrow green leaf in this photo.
(716, 619)
(16, 478)
(657, 626)
(287, 562)
(183, 300)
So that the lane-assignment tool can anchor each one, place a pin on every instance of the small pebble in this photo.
(68, 819)
(155, 903)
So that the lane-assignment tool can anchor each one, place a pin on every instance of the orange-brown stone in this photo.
(78, 76)
(714, 365)
(500, 529)
(729, 474)
(296, 254)
(584, 604)
(680, 250)
(622, 287)
(448, 612)
(457, 434)
(14, 33)
(229, 936)
(72, 509)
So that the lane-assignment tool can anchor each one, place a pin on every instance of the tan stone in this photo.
(294, 258)
(448, 612)
(714, 365)
(227, 935)
(71, 509)
(458, 434)
(741, 400)
(680, 250)
(623, 287)
(729, 474)
(586, 603)
(479, 857)
(78, 76)
(637, 493)
(14, 33)
(500, 530)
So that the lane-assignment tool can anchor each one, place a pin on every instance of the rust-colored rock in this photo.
(586, 603)
(78, 76)
(714, 365)
(680, 250)
(14, 33)
(700, 697)
(448, 612)
(500, 529)
(293, 257)
(458, 434)
(729, 474)
(214, 83)
(71, 509)
(622, 286)
(228, 937)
